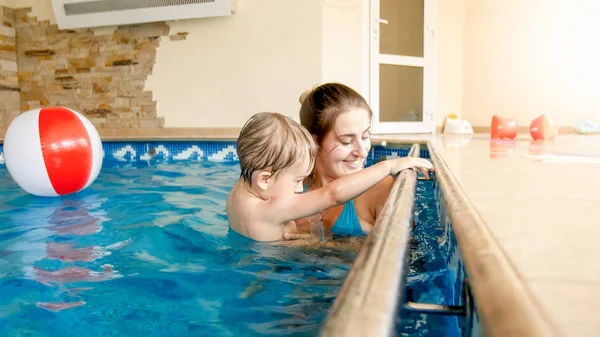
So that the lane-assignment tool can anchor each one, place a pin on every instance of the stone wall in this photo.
(98, 72)
(9, 82)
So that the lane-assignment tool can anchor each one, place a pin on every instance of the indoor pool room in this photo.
(331, 168)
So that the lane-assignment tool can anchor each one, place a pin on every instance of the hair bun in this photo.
(304, 96)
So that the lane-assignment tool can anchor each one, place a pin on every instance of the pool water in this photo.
(435, 273)
(146, 250)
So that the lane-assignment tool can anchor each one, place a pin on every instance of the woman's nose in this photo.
(361, 149)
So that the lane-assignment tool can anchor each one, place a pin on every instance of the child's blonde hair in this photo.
(273, 142)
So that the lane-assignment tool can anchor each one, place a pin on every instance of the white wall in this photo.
(259, 59)
(450, 49)
(525, 58)
(342, 43)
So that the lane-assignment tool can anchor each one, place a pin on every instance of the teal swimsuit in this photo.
(347, 223)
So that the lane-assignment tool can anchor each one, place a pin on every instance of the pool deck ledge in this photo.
(163, 134)
(527, 214)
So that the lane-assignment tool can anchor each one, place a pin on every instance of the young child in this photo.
(276, 154)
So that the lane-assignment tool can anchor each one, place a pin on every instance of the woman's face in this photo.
(345, 148)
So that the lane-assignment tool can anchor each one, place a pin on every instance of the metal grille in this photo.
(88, 7)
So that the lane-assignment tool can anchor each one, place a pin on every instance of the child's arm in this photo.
(340, 190)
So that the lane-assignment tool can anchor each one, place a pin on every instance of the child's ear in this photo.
(262, 180)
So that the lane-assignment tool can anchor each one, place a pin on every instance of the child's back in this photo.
(242, 211)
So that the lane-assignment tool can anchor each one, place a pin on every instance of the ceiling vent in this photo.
(72, 14)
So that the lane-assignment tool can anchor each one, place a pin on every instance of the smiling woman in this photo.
(340, 120)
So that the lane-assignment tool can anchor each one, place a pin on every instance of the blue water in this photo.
(146, 250)
(435, 273)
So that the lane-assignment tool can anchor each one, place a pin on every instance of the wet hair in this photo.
(273, 142)
(322, 105)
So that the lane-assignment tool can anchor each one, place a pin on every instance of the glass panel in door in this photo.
(401, 93)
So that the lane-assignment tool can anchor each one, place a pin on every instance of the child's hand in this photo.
(403, 163)
(296, 236)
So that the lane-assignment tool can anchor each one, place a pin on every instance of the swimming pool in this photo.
(146, 250)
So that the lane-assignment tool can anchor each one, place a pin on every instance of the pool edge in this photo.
(506, 305)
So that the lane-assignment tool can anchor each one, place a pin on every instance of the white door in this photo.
(402, 65)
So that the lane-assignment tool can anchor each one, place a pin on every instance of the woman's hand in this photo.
(306, 227)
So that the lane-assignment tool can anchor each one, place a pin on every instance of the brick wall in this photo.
(98, 72)
(9, 82)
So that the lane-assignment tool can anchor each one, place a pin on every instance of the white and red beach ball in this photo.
(52, 151)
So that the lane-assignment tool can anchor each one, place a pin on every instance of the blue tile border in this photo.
(216, 151)
(160, 151)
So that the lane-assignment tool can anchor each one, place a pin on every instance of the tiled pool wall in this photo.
(159, 151)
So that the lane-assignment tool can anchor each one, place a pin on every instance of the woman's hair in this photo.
(322, 105)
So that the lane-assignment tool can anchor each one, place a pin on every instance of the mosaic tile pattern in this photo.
(218, 151)
(169, 151)
(379, 151)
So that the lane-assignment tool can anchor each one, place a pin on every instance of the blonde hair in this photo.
(270, 141)
(322, 105)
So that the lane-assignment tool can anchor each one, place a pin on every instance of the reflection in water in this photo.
(73, 274)
(65, 218)
(74, 218)
(59, 306)
(66, 253)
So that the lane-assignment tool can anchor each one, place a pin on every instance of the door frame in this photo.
(370, 69)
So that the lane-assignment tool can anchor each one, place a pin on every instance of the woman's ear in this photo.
(262, 180)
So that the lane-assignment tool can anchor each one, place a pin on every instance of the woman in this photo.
(340, 120)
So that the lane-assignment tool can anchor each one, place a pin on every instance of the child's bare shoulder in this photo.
(253, 217)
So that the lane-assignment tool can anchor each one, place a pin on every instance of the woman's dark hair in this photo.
(323, 104)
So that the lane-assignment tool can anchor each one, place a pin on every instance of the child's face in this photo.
(290, 181)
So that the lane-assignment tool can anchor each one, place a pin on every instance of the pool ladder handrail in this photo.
(368, 302)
